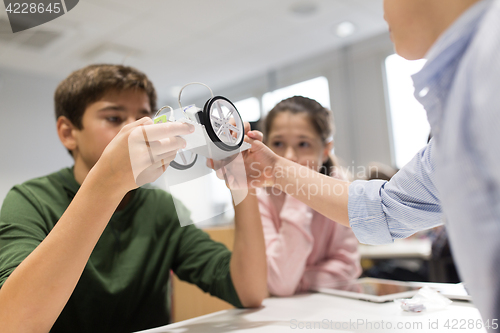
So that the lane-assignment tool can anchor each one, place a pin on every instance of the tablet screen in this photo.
(375, 287)
(377, 290)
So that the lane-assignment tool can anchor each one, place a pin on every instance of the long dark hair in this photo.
(320, 117)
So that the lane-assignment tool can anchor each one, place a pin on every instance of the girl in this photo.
(305, 250)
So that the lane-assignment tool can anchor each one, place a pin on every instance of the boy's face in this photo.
(103, 119)
(411, 27)
(416, 24)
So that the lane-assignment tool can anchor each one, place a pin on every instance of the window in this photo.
(316, 89)
(410, 128)
(249, 109)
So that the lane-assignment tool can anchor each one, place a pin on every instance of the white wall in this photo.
(29, 145)
(356, 78)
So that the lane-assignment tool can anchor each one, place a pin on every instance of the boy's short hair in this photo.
(87, 85)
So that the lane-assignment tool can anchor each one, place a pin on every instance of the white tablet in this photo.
(371, 289)
(454, 291)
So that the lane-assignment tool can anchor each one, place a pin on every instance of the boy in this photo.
(85, 250)
(457, 173)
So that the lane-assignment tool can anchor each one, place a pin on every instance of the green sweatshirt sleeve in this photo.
(205, 263)
(22, 229)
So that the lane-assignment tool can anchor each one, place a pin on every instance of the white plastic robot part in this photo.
(195, 139)
(199, 143)
(190, 111)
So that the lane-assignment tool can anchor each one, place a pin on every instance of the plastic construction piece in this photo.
(184, 158)
(426, 299)
(219, 130)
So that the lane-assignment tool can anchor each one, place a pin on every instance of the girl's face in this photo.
(293, 137)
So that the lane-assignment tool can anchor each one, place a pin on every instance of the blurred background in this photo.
(253, 52)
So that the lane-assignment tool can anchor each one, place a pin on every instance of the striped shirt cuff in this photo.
(366, 215)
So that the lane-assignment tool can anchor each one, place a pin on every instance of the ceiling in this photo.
(218, 42)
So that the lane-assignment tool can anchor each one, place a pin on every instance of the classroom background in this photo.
(253, 52)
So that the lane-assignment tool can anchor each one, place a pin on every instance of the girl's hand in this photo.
(258, 162)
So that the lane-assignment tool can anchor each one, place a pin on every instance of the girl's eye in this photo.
(304, 144)
(115, 120)
(277, 144)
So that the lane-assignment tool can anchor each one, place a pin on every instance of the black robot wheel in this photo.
(218, 114)
(183, 161)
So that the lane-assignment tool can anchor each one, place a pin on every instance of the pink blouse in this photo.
(304, 249)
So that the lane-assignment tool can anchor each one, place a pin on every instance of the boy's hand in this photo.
(141, 152)
(232, 169)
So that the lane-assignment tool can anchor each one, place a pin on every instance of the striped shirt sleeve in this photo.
(381, 211)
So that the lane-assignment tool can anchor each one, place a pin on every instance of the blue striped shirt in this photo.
(455, 179)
